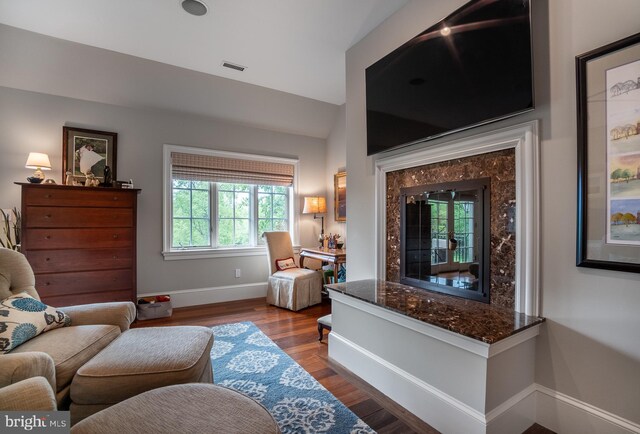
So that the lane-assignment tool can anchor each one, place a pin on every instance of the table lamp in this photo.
(39, 162)
(315, 205)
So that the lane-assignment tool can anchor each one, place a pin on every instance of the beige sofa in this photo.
(56, 355)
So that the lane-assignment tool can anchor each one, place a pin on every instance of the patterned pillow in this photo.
(22, 317)
(285, 264)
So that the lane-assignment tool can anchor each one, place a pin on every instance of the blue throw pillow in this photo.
(22, 317)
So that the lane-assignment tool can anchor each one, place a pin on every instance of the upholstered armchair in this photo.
(293, 288)
(55, 355)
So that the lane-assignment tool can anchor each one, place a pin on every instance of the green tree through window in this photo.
(191, 218)
(242, 212)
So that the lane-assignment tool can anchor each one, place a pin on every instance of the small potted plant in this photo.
(11, 226)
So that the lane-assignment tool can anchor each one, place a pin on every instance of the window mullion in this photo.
(287, 210)
(213, 214)
(451, 227)
(271, 198)
(253, 215)
(191, 214)
(233, 221)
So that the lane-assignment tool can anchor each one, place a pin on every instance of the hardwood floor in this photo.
(296, 333)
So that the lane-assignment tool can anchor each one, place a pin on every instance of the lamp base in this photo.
(38, 173)
(34, 180)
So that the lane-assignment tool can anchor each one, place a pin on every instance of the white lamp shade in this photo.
(37, 160)
(314, 205)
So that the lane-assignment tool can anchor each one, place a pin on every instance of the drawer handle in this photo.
(47, 216)
(115, 257)
(48, 283)
(115, 236)
(47, 237)
(115, 197)
(48, 196)
(47, 259)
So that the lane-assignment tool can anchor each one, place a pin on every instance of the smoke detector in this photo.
(195, 7)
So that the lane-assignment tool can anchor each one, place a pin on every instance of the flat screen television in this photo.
(471, 68)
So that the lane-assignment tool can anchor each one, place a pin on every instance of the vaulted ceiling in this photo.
(295, 46)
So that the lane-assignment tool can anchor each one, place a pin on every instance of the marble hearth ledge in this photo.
(480, 321)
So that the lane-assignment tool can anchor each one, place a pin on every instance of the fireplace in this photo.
(500, 237)
(444, 237)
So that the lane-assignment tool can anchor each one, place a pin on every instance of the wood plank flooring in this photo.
(296, 334)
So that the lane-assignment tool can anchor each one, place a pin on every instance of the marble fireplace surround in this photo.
(522, 140)
(500, 167)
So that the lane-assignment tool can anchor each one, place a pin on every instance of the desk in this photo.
(333, 256)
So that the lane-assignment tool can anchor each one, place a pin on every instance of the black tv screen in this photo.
(471, 68)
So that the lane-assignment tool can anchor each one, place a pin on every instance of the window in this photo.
(463, 223)
(234, 214)
(439, 231)
(273, 209)
(212, 205)
(191, 214)
(458, 215)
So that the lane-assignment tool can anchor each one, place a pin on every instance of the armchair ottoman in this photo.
(185, 408)
(57, 354)
(140, 360)
(97, 361)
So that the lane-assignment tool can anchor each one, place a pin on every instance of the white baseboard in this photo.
(218, 294)
(567, 415)
(514, 415)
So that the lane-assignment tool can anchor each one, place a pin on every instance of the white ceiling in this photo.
(295, 46)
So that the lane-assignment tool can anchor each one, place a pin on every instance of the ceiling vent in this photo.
(233, 66)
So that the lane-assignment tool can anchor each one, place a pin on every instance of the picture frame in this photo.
(340, 196)
(608, 114)
(92, 150)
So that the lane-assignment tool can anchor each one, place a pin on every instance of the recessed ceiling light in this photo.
(194, 7)
(445, 31)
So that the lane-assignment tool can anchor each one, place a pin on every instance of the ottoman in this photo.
(185, 408)
(140, 360)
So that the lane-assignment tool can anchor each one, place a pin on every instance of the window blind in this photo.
(194, 167)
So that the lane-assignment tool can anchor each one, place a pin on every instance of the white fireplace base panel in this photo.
(452, 388)
(434, 406)
(365, 339)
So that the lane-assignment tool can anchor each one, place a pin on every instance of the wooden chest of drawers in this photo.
(80, 242)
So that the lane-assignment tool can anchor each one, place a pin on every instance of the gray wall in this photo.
(30, 61)
(33, 122)
(336, 162)
(591, 347)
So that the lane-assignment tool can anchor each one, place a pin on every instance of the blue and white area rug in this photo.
(246, 360)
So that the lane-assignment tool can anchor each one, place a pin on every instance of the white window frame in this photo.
(170, 253)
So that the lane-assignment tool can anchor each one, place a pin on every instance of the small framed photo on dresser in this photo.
(88, 151)
(608, 93)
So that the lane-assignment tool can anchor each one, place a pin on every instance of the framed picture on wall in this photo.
(340, 193)
(85, 151)
(608, 93)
